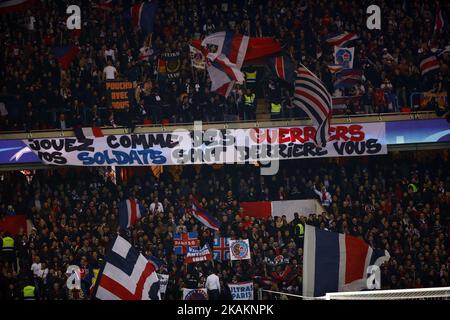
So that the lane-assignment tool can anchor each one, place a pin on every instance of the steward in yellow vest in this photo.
(29, 293)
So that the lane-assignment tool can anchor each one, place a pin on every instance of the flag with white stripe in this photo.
(225, 54)
(429, 64)
(335, 262)
(127, 275)
(130, 212)
(341, 39)
(311, 96)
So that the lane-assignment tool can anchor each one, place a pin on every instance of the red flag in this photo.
(13, 224)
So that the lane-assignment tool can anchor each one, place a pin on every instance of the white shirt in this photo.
(110, 72)
(212, 282)
(110, 53)
(36, 268)
(157, 209)
(30, 23)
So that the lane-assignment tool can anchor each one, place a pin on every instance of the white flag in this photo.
(197, 59)
(239, 249)
(344, 57)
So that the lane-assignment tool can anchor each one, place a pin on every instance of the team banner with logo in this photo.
(242, 290)
(195, 294)
(172, 64)
(198, 60)
(239, 249)
(198, 255)
(344, 57)
(213, 146)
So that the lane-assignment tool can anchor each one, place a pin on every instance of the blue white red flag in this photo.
(341, 39)
(221, 249)
(203, 216)
(347, 78)
(335, 262)
(142, 15)
(335, 68)
(8, 6)
(126, 275)
(225, 54)
(65, 55)
(429, 64)
(312, 97)
(283, 67)
(130, 211)
(182, 241)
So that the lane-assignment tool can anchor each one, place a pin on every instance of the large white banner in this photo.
(242, 290)
(211, 146)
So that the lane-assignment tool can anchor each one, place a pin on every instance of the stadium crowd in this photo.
(37, 93)
(400, 203)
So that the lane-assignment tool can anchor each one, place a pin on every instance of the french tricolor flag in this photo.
(340, 39)
(204, 217)
(130, 211)
(142, 15)
(334, 262)
(225, 53)
(83, 132)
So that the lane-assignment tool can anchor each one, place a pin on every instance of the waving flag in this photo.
(257, 49)
(225, 54)
(127, 275)
(130, 211)
(142, 15)
(283, 67)
(335, 262)
(438, 21)
(182, 241)
(340, 39)
(8, 6)
(335, 68)
(204, 217)
(429, 64)
(221, 249)
(312, 97)
(347, 78)
(65, 55)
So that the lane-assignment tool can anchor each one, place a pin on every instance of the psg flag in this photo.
(142, 15)
(335, 262)
(127, 275)
(130, 211)
(283, 67)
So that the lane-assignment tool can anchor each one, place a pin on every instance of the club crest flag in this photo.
(242, 290)
(195, 294)
(197, 58)
(344, 57)
(239, 249)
